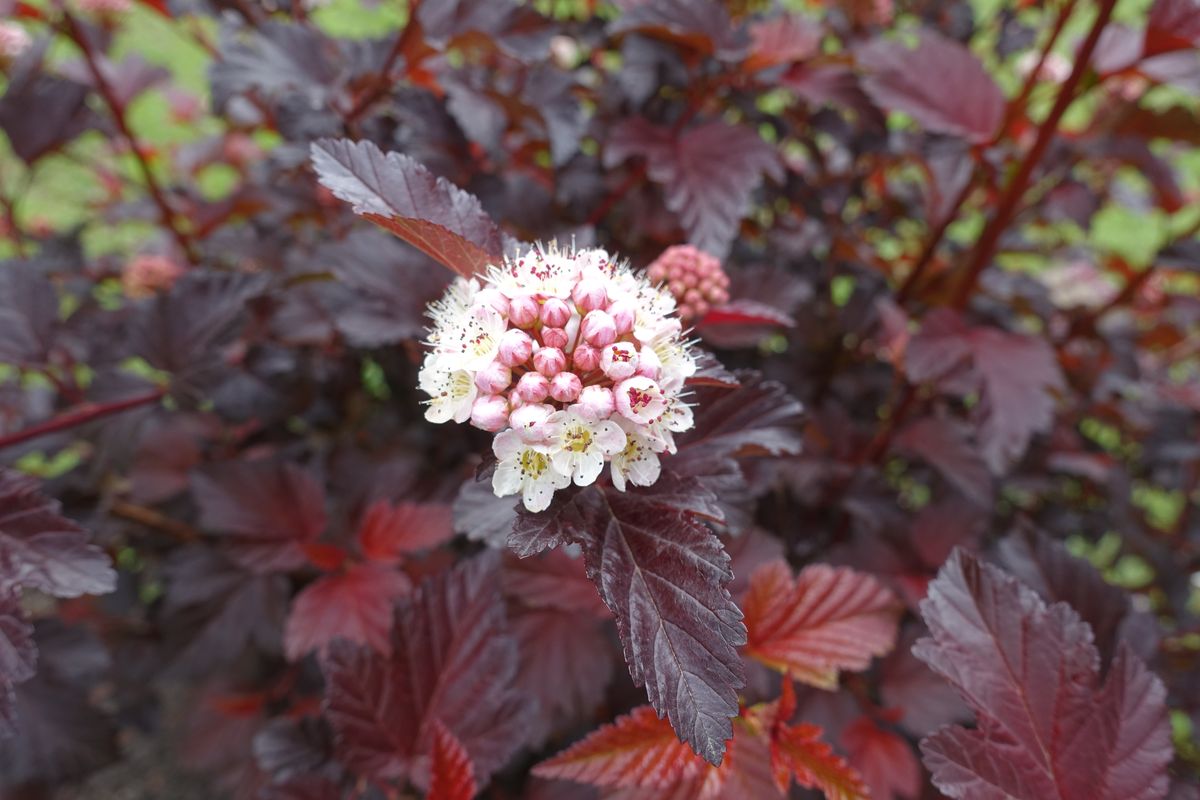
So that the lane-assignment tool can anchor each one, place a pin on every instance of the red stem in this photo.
(1011, 198)
(117, 110)
(935, 238)
(81, 415)
(1017, 105)
(383, 83)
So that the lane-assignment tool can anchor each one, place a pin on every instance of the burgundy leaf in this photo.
(1045, 566)
(924, 700)
(29, 321)
(708, 173)
(1015, 374)
(566, 664)
(41, 549)
(18, 658)
(781, 40)
(482, 516)
(62, 108)
(940, 83)
(216, 610)
(286, 748)
(451, 774)
(452, 661)
(662, 574)
(1046, 727)
(747, 312)
(886, 761)
(267, 509)
(758, 418)
(945, 446)
(397, 193)
(1173, 25)
(355, 605)
(552, 580)
(387, 532)
(703, 25)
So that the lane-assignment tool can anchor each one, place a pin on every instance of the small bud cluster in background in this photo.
(148, 274)
(13, 41)
(694, 278)
(571, 359)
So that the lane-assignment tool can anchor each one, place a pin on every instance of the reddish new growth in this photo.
(694, 277)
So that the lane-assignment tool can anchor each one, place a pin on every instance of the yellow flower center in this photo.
(533, 464)
(579, 439)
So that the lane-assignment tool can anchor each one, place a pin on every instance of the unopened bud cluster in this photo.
(571, 359)
(13, 41)
(694, 278)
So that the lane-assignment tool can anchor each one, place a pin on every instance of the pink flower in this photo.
(598, 329)
(515, 347)
(639, 399)
(555, 312)
(555, 337)
(596, 402)
(523, 310)
(490, 413)
(565, 387)
(549, 361)
(494, 378)
(585, 358)
(619, 360)
(533, 387)
(589, 294)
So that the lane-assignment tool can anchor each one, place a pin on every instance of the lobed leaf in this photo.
(267, 509)
(452, 661)
(1046, 726)
(707, 172)
(397, 193)
(355, 605)
(940, 83)
(41, 549)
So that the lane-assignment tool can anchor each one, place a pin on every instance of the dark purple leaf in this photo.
(1045, 566)
(944, 444)
(41, 549)
(1045, 725)
(940, 83)
(354, 605)
(29, 319)
(286, 748)
(62, 109)
(267, 509)
(702, 25)
(452, 661)
(708, 173)
(397, 193)
(18, 658)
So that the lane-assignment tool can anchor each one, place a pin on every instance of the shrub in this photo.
(929, 522)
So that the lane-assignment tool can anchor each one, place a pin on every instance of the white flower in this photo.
(637, 463)
(578, 447)
(451, 392)
(527, 469)
(449, 312)
(477, 341)
(677, 418)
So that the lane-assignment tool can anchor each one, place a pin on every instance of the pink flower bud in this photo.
(572, 329)
(523, 310)
(598, 329)
(596, 403)
(677, 288)
(532, 388)
(530, 422)
(494, 378)
(555, 337)
(555, 312)
(490, 412)
(492, 298)
(700, 308)
(655, 273)
(649, 364)
(585, 358)
(515, 347)
(619, 360)
(589, 294)
(549, 361)
(623, 314)
(639, 399)
(565, 387)
(690, 280)
(719, 297)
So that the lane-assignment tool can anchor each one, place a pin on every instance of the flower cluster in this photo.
(694, 278)
(571, 359)
(13, 41)
(147, 274)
